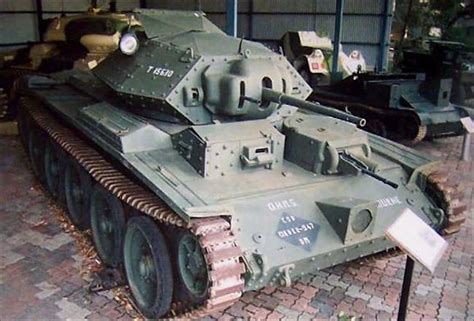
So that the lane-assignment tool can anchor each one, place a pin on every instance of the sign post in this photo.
(405, 295)
(421, 243)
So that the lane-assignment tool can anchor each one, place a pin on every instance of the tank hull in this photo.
(294, 234)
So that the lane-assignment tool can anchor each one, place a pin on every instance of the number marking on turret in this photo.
(159, 71)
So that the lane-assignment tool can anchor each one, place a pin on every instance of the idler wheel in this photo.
(107, 225)
(420, 135)
(148, 267)
(36, 145)
(53, 169)
(191, 269)
(412, 130)
(77, 189)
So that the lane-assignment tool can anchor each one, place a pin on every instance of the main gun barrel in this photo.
(280, 98)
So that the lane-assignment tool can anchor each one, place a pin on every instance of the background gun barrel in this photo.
(280, 98)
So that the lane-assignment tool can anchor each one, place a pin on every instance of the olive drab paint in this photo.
(216, 126)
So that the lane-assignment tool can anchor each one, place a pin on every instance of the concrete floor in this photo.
(44, 266)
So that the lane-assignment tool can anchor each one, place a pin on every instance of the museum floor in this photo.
(44, 265)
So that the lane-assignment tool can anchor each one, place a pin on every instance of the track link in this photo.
(446, 191)
(225, 268)
(223, 255)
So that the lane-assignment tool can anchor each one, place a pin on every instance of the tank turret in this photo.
(194, 73)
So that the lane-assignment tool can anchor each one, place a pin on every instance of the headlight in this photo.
(129, 44)
(361, 221)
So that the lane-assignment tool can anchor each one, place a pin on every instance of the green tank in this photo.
(203, 173)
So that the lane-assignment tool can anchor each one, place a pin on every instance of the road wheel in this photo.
(147, 267)
(77, 189)
(190, 266)
(23, 125)
(3, 103)
(107, 225)
(36, 146)
(53, 169)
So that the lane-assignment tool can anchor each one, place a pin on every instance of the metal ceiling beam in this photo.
(337, 39)
(39, 18)
(385, 36)
(113, 6)
(231, 17)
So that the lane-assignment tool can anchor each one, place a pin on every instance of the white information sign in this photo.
(468, 124)
(417, 239)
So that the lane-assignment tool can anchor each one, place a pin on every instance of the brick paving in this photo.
(42, 272)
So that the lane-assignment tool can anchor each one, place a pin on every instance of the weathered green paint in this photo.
(276, 171)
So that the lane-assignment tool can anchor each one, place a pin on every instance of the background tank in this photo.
(444, 59)
(402, 107)
(204, 173)
(77, 41)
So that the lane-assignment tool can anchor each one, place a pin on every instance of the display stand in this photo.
(421, 243)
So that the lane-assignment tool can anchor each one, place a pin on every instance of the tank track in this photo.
(447, 193)
(223, 255)
(420, 135)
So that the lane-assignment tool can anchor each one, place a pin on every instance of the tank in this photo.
(444, 59)
(403, 107)
(78, 41)
(203, 173)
